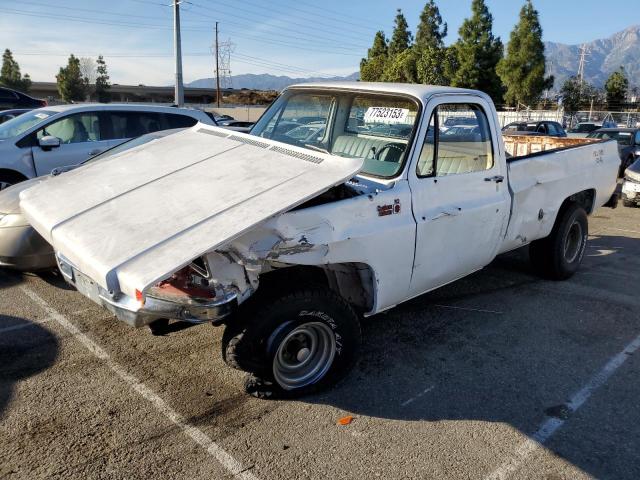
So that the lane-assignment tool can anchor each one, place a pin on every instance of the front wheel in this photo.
(558, 256)
(297, 344)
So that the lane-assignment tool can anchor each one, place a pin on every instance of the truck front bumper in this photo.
(138, 314)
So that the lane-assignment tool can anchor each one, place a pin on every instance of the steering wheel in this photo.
(386, 146)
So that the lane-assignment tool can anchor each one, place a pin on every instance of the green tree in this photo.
(401, 38)
(576, 95)
(402, 67)
(102, 81)
(522, 70)
(72, 86)
(429, 46)
(372, 67)
(10, 75)
(476, 54)
(616, 87)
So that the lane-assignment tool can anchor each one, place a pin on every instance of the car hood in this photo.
(10, 197)
(134, 218)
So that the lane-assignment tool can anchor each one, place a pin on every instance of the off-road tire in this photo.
(628, 203)
(250, 343)
(549, 256)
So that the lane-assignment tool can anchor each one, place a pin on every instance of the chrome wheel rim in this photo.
(573, 242)
(304, 356)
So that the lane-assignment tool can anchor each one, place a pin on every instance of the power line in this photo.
(246, 15)
(191, 29)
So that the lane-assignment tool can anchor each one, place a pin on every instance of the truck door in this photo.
(459, 190)
(80, 139)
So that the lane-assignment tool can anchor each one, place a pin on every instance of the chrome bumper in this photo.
(132, 312)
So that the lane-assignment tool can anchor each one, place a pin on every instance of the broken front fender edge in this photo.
(156, 309)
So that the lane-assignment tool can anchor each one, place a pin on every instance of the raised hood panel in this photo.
(130, 220)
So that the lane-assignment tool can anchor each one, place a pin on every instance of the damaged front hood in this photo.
(131, 219)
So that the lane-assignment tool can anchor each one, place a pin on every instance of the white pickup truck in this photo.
(289, 236)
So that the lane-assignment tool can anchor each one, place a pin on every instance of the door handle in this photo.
(94, 152)
(495, 178)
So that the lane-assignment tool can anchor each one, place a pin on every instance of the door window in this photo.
(179, 121)
(78, 128)
(463, 146)
(134, 124)
(7, 95)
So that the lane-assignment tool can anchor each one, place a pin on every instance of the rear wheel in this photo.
(9, 178)
(297, 344)
(558, 256)
(628, 203)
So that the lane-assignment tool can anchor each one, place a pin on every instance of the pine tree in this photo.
(372, 67)
(10, 75)
(401, 38)
(72, 86)
(102, 81)
(402, 68)
(476, 54)
(576, 94)
(616, 87)
(429, 46)
(523, 69)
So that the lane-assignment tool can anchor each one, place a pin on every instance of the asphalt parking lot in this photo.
(500, 375)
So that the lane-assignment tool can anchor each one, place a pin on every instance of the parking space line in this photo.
(233, 466)
(421, 394)
(469, 309)
(549, 427)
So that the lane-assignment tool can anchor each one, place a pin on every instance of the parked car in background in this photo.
(21, 247)
(583, 129)
(628, 143)
(631, 185)
(544, 127)
(6, 115)
(12, 99)
(228, 122)
(38, 141)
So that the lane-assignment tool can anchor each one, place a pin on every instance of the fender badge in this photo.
(384, 210)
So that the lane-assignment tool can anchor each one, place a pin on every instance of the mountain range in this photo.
(603, 58)
(266, 81)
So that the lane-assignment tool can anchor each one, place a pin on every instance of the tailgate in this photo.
(130, 220)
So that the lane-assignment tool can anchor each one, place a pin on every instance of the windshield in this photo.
(372, 126)
(623, 138)
(22, 123)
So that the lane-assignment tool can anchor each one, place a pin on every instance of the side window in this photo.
(7, 95)
(464, 146)
(133, 124)
(638, 137)
(179, 121)
(78, 128)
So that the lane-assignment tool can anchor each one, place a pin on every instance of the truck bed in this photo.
(518, 146)
(555, 169)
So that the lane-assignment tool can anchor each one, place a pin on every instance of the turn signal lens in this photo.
(139, 296)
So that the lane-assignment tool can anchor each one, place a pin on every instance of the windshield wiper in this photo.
(319, 149)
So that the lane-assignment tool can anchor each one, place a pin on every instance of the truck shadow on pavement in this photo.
(26, 349)
(505, 346)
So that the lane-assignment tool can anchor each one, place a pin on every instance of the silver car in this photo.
(37, 142)
(21, 247)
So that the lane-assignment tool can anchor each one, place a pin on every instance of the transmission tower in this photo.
(584, 51)
(222, 55)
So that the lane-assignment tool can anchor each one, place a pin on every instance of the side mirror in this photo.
(48, 142)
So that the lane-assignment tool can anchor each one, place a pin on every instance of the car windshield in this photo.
(373, 126)
(22, 123)
(623, 138)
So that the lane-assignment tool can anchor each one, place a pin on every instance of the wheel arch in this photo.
(353, 281)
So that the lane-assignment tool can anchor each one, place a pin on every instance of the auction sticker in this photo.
(386, 115)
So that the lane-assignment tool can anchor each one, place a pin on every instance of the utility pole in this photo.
(217, 69)
(179, 89)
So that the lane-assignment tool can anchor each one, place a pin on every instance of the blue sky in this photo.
(297, 38)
